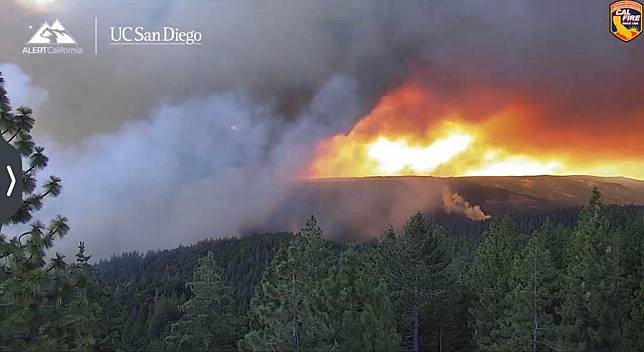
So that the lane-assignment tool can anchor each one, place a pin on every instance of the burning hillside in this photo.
(414, 130)
(238, 129)
(360, 208)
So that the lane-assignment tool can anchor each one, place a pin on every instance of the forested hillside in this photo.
(144, 292)
(541, 280)
(444, 283)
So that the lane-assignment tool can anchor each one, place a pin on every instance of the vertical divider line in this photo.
(95, 35)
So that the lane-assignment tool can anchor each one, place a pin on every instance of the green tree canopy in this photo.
(593, 308)
(416, 267)
(286, 313)
(43, 305)
(362, 316)
(495, 260)
(210, 320)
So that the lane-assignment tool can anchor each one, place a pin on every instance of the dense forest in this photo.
(561, 280)
(544, 280)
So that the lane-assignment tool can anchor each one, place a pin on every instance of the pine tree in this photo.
(592, 306)
(287, 311)
(113, 320)
(416, 268)
(83, 311)
(632, 263)
(528, 324)
(495, 260)
(210, 321)
(164, 311)
(634, 334)
(362, 315)
(43, 305)
(448, 326)
(82, 259)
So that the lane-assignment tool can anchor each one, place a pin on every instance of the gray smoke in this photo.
(20, 87)
(161, 145)
(278, 54)
(207, 167)
(281, 53)
(357, 209)
(454, 202)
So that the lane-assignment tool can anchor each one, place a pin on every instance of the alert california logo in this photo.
(52, 39)
(625, 19)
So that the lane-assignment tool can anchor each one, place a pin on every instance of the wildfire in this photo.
(393, 157)
(411, 132)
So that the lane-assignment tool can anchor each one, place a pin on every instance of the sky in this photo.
(164, 145)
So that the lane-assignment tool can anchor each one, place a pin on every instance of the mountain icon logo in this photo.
(52, 34)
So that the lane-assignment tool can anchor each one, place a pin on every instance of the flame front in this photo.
(410, 132)
(393, 157)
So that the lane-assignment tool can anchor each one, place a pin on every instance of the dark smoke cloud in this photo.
(158, 146)
(559, 54)
(280, 54)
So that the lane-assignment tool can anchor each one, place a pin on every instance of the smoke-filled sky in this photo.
(165, 145)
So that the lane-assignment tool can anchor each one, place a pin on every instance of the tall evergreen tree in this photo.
(164, 312)
(43, 305)
(528, 323)
(592, 306)
(416, 267)
(82, 259)
(112, 321)
(632, 263)
(447, 328)
(287, 311)
(634, 334)
(495, 260)
(83, 311)
(210, 321)
(362, 316)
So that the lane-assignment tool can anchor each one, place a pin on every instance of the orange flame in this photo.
(411, 132)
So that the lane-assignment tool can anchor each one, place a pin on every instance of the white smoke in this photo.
(20, 88)
(455, 203)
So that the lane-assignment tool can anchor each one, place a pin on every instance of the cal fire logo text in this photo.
(626, 19)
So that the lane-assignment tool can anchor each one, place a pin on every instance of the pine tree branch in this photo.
(22, 235)
(14, 135)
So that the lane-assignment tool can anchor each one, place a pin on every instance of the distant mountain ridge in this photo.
(359, 208)
(502, 192)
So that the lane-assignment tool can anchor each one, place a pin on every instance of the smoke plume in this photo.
(455, 203)
(165, 145)
(208, 167)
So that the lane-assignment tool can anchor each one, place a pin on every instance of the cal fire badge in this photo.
(626, 19)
